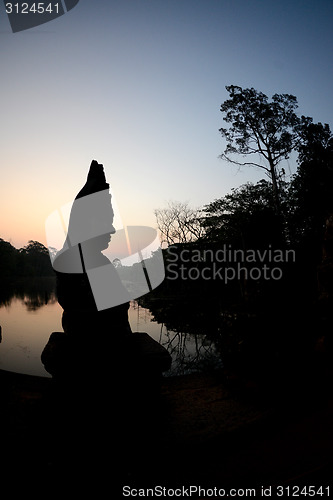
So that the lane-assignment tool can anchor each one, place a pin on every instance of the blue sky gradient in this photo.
(137, 85)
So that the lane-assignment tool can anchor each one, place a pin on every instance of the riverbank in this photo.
(199, 431)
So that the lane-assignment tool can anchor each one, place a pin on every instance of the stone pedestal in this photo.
(134, 363)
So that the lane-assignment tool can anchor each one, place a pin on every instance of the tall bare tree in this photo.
(178, 223)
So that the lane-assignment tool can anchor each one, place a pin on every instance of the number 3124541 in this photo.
(35, 8)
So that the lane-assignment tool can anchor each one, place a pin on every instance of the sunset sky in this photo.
(137, 85)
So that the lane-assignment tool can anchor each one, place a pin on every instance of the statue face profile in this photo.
(102, 242)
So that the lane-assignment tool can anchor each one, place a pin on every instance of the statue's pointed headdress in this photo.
(95, 181)
(92, 213)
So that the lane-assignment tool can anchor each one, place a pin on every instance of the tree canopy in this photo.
(244, 217)
(263, 131)
(31, 260)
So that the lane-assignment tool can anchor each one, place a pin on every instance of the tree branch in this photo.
(225, 157)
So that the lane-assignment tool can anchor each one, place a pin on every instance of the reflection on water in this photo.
(189, 352)
(29, 313)
(33, 292)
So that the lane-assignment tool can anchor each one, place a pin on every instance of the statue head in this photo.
(91, 218)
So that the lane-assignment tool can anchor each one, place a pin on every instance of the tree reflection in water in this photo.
(187, 332)
(34, 293)
(191, 352)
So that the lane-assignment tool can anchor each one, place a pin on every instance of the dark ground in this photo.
(200, 430)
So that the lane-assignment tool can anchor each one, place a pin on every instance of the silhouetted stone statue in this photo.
(97, 340)
(90, 218)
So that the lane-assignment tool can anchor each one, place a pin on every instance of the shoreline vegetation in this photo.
(33, 260)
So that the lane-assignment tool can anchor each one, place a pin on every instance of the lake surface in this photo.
(28, 319)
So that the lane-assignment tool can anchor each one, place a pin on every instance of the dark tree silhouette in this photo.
(8, 259)
(311, 189)
(35, 259)
(178, 223)
(31, 260)
(260, 130)
(245, 217)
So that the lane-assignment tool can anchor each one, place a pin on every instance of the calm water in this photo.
(28, 320)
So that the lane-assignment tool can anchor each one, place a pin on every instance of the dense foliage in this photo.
(275, 307)
(31, 260)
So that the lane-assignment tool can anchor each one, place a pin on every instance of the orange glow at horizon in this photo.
(27, 206)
